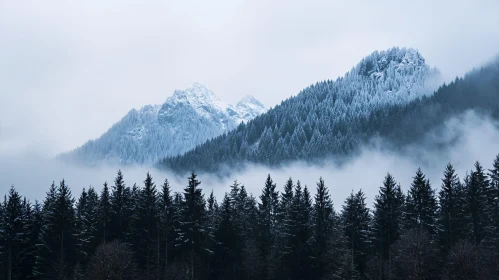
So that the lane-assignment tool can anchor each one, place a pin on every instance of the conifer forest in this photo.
(434, 230)
(249, 140)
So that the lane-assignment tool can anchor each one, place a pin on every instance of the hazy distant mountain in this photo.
(187, 118)
(327, 118)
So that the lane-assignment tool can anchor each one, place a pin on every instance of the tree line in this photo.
(149, 232)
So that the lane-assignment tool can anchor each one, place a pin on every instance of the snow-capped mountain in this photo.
(328, 118)
(187, 118)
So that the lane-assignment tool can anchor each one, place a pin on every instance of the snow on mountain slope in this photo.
(187, 118)
(328, 118)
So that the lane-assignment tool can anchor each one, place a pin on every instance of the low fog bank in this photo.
(461, 141)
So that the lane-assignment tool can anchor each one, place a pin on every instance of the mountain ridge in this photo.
(323, 119)
(186, 119)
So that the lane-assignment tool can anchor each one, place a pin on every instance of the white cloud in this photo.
(467, 138)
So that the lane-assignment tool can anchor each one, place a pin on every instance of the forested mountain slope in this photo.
(327, 118)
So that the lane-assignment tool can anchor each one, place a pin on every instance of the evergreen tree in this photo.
(421, 205)
(299, 234)
(228, 247)
(346, 269)
(145, 228)
(494, 196)
(192, 232)
(211, 213)
(448, 214)
(105, 215)
(285, 241)
(12, 234)
(87, 224)
(323, 222)
(57, 243)
(478, 207)
(267, 209)
(387, 219)
(119, 201)
(32, 228)
(355, 222)
(166, 222)
(2, 240)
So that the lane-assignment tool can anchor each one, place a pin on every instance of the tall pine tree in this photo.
(450, 198)
(192, 233)
(267, 209)
(120, 210)
(105, 215)
(56, 247)
(323, 223)
(387, 220)
(12, 234)
(145, 228)
(478, 207)
(355, 220)
(421, 205)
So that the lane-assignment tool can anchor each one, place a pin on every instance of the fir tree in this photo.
(387, 219)
(105, 215)
(355, 223)
(299, 234)
(323, 222)
(168, 232)
(32, 228)
(192, 232)
(2, 232)
(286, 231)
(267, 209)
(145, 228)
(477, 186)
(119, 200)
(87, 224)
(448, 214)
(57, 243)
(228, 247)
(494, 196)
(421, 205)
(12, 233)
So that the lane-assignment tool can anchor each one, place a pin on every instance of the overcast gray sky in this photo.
(68, 71)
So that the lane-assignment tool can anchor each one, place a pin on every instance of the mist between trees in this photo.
(149, 232)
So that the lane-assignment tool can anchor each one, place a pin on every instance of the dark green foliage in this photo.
(478, 206)
(12, 234)
(421, 205)
(192, 232)
(145, 228)
(105, 215)
(56, 246)
(494, 190)
(228, 242)
(168, 235)
(322, 225)
(31, 230)
(267, 219)
(355, 219)
(387, 220)
(87, 224)
(297, 235)
(279, 236)
(452, 202)
(120, 210)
